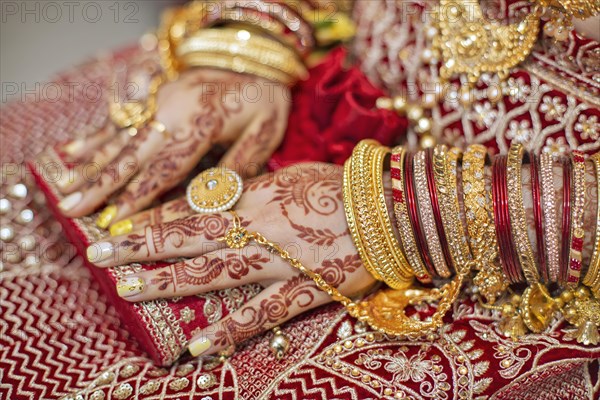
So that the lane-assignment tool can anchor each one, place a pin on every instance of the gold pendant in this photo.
(385, 310)
(471, 45)
(537, 307)
(583, 311)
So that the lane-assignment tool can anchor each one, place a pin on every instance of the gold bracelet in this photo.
(405, 230)
(445, 163)
(592, 278)
(577, 231)
(242, 43)
(236, 64)
(516, 210)
(490, 279)
(382, 259)
(550, 216)
(402, 266)
(426, 211)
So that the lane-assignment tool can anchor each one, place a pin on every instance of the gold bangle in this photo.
(426, 211)
(516, 210)
(490, 279)
(445, 164)
(381, 259)
(405, 230)
(577, 231)
(242, 43)
(236, 64)
(550, 216)
(592, 278)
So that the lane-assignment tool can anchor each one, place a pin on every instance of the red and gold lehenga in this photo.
(61, 337)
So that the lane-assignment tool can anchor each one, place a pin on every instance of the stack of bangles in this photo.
(450, 224)
(267, 38)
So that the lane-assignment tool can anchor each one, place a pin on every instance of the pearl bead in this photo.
(25, 217)
(384, 103)
(427, 55)
(466, 96)
(27, 242)
(494, 94)
(7, 233)
(399, 103)
(427, 141)
(423, 125)
(5, 206)
(414, 113)
(431, 32)
(19, 191)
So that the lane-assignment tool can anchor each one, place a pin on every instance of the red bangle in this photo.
(413, 214)
(566, 219)
(508, 256)
(537, 215)
(437, 216)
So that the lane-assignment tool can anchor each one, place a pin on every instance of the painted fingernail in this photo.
(106, 216)
(73, 146)
(70, 201)
(121, 228)
(99, 251)
(199, 346)
(130, 286)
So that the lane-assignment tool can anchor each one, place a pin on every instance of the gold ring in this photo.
(214, 190)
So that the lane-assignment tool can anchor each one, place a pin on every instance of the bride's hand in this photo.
(300, 208)
(203, 108)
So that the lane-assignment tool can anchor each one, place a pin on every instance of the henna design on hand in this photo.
(270, 311)
(334, 271)
(320, 237)
(207, 225)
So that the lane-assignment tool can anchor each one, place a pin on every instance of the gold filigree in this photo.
(471, 45)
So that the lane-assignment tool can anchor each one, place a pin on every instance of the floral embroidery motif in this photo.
(588, 126)
(187, 315)
(519, 131)
(552, 108)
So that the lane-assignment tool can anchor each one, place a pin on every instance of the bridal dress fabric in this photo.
(60, 337)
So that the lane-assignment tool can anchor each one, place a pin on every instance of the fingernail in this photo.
(199, 346)
(73, 146)
(106, 217)
(130, 286)
(70, 201)
(121, 228)
(99, 251)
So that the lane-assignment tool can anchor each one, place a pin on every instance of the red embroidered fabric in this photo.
(61, 334)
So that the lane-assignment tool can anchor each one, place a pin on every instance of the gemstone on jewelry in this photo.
(212, 184)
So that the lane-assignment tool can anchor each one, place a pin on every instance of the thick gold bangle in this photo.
(381, 258)
(550, 216)
(240, 42)
(592, 278)
(445, 163)
(490, 279)
(405, 230)
(577, 230)
(428, 220)
(236, 64)
(516, 210)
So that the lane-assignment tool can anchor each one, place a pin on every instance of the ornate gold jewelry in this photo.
(550, 216)
(471, 45)
(214, 190)
(490, 279)
(279, 343)
(592, 277)
(427, 218)
(445, 163)
(583, 311)
(516, 210)
(364, 206)
(384, 311)
(405, 230)
(136, 114)
(577, 230)
(244, 50)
